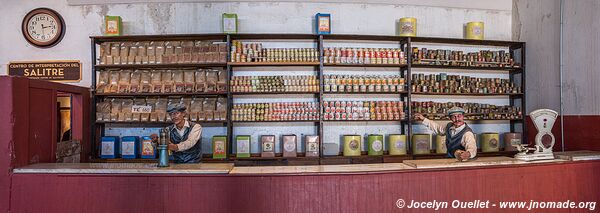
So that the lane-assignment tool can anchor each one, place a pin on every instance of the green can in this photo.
(397, 144)
(219, 144)
(490, 142)
(242, 146)
(375, 143)
(352, 144)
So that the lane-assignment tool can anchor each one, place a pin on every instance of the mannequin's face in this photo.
(458, 119)
(178, 118)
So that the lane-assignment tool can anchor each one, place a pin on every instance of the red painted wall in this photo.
(28, 125)
(375, 192)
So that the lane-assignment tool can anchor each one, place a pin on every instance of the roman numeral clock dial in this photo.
(43, 27)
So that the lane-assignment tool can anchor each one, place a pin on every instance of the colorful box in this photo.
(289, 145)
(375, 143)
(114, 26)
(311, 145)
(242, 146)
(323, 23)
(148, 148)
(219, 144)
(230, 23)
(352, 144)
(397, 144)
(109, 147)
(268, 146)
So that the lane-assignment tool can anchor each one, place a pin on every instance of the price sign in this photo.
(141, 109)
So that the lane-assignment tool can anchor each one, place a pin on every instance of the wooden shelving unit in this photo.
(516, 74)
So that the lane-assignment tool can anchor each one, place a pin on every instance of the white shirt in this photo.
(468, 139)
(193, 137)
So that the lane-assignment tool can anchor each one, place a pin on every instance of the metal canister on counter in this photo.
(375, 143)
(440, 144)
(408, 26)
(490, 142)
(352, 144)
(510, 139)
(475, 30)
(421, 143)
(397, 144)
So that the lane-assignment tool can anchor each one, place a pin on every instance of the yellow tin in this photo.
(490, 142)
(440, 144)
(421, 143)
(352, 144)
(397, 144)
(407, 26)
(475, 30)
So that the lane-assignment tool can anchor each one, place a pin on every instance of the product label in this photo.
(312, 147)
(399, 144)
(377, 146)
(515, 141)
(219, 147)
(108, 148)
(268, 146)
(128, 148)
(289, 146)
(243, 146)
(147, 148)
(229, 25)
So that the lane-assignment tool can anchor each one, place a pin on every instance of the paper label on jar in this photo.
(243, 146)
(515, 141)
(108, 148)
(377, 146)
(313, 147)
(289, 146)
(128, 148)
(268, 147)
(399, 144)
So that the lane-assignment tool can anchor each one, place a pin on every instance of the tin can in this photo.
(440, 144)
(219, 144)
(475, 30)
(352, 144)
(242, 146)
(375, 143)
(397, 144)
(490, 142)
(511, 138)
(407, 26)
(421, 143)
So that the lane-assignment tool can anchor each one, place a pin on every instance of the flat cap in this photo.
(456, 109)
(176, 107)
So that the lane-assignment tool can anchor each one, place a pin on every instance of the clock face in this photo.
(43, 27)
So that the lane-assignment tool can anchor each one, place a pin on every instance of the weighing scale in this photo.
(544, 140)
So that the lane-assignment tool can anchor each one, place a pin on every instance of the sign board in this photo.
(141, 109)
(59, 71)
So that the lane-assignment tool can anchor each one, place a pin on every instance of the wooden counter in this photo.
(125, 168)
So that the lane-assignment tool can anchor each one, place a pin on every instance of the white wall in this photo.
(255, 17)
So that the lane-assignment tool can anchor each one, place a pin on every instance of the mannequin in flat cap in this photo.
(460, 140)
(185, 136)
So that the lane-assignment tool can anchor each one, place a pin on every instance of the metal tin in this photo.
(421, 143)
(242, 146)
(375, 143)
(397, 144)
(268, 146)
(440, 144)
(289, 145)
(490, 142)
(407, 26)
(219, 146)
(311, 145)
(352, 144)
(474, 30)
(511, 138)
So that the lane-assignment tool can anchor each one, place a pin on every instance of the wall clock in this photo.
(43, 27)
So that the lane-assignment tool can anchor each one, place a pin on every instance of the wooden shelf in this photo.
(466, 41)
(167, 37)
(140, 124)
(403, 120)
(364, 37)
(365, 93)
(468, 94)
(161, 94)
(364, 65)
(271, 93)
(261, 36)
(242, 64)
(149, 66)
(519, 119)
(290, 121)
(273, 158)
(511, 69)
